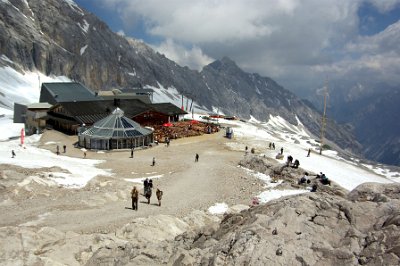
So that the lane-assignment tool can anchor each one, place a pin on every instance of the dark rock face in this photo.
(59, 38)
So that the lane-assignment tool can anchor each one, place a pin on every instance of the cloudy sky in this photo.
(299, 43)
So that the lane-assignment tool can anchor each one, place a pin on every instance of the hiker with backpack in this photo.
(145, 184)
(159, 195)
(148, 190)
(135, 198)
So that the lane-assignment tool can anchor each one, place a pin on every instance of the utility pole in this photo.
(323, 122)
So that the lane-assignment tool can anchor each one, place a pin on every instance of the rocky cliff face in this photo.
(57, 37)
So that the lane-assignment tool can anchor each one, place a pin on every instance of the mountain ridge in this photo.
(77, 44)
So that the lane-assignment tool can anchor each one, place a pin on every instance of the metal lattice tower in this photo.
(323, 120)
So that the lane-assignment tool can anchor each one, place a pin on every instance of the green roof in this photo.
(69, 91)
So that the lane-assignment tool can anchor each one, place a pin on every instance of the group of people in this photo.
(58, 149)
(147, 191)
(290, 163)
(272, 146)
(252, 150)
(321, 177)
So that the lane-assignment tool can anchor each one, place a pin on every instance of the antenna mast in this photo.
(323, 122)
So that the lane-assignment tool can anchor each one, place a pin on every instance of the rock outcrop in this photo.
(360, 228)
(311, 229)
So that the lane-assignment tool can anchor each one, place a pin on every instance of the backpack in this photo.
(134, 193)
(159, 194)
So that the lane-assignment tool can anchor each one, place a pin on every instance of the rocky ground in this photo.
(51, 225)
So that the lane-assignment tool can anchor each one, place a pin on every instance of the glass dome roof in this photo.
(116, 126)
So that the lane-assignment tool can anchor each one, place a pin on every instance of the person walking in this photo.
(273, 145)
(145, 185)
(148, 191)
(154, 161)
(58, 150)
(132, 152)
(196, 159)
(159, 195)
(65, 148)
(135, 198)
(309, 152)
(12, 154)
(282, 150)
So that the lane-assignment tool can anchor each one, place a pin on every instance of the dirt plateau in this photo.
(94, 225)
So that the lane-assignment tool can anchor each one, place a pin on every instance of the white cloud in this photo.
(385, 5)
(205, 21)
(292, 41)
(384, 42)
(194, 58)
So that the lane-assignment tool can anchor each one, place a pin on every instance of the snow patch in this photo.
(83, 49)
(85, 26)
(77, 171)
(74, 6)
(141, 179)
(218, 208)
(276, 194)
(5, 58)
(22, 87)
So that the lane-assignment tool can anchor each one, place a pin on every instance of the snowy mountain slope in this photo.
(74, 43)
(348, 173)
(22, 87)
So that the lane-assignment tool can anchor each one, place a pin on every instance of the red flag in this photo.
(22, 136)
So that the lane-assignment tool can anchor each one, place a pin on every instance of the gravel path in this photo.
(104, 204)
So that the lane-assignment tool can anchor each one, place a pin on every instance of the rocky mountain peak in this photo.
(225, 64)
(62, 39)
